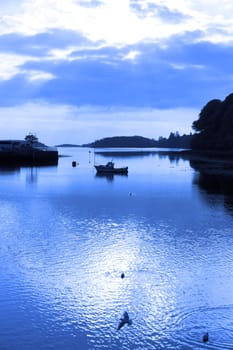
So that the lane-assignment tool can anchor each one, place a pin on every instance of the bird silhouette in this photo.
(205, 337)
(124, 320)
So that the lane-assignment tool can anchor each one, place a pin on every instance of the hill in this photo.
(173, 141)
(123, 141)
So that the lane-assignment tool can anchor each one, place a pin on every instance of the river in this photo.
(67, 235)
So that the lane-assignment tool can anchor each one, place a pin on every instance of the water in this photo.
(67, 235)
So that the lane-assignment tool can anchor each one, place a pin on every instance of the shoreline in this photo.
(219, 164)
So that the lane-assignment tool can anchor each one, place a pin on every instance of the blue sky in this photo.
(79, 70)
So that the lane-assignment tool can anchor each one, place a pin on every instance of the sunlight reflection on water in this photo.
(66, 240)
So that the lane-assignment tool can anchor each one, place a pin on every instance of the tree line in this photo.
(173, 141)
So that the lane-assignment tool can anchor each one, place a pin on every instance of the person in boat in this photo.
(110, 165)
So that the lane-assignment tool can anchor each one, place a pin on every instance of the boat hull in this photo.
(101, 169)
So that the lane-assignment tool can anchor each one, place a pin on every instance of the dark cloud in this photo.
(180, 75)
(16, 91)
(40, 44)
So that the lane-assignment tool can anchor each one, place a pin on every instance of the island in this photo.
(173, 141)
(28, 151)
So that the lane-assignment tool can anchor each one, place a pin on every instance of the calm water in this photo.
(67, 235)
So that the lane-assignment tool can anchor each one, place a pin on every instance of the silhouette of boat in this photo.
(27, 151)
(109, 168)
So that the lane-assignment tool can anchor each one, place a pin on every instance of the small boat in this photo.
(109, 168)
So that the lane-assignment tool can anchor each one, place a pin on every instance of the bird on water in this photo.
(205, 337)
(124, 320)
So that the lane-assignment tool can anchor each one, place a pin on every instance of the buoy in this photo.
(122, 275)
(74, 164)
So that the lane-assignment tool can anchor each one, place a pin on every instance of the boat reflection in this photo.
(109, 176)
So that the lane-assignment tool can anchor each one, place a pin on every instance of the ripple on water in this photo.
(188, 328)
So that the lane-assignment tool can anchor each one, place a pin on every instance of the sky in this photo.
(75, 71)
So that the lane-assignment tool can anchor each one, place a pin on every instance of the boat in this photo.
(27, 151)
(109, 168)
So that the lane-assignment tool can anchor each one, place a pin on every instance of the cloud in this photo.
(11, 65)
(145, 9)
(39, 76)
(180, 74)
(121, 22)
(130, 55)
(48, 36)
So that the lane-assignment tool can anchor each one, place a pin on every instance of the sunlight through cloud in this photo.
(120, 22)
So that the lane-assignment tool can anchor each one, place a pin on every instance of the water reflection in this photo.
(124, 153)
(109, 177)
(173, 157)
(215, 188)
(173, 154)
(28, 173)
(32, 175)
(215, 184)
(7, 170)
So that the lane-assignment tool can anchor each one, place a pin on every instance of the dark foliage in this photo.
(214, 128)
(173, 141)
(123, 141)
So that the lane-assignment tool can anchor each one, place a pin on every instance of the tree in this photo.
(214, 128)
(208, 116)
